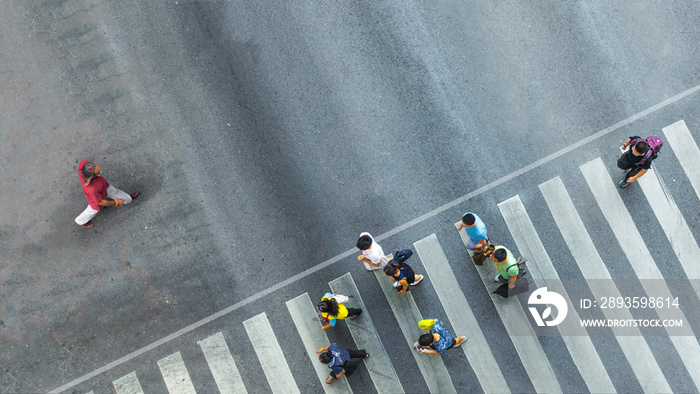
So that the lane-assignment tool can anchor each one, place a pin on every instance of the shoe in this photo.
(496, 278)
(418, 281)
(134, 195)
(623, 183)
(458, 344)
(396, 284)
(89, 224)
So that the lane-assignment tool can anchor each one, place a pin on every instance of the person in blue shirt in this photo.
(340, 360)
(437, 340)
(476, 231)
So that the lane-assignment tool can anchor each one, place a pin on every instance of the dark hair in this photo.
(500, 255)
(329, 306)
(390, 269)
(364, 242)
(88, 172)
(426, 339)
(468, 219)
(325, 357)
(641, 147)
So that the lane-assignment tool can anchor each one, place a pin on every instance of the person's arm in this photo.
(429, 351)
(321, 350)
(626, 144)
(482, 245)
(327, 326)
(368, 261)
(634, 178)
(404, 286)
(461, 226)
(116, 203)
(511, 282)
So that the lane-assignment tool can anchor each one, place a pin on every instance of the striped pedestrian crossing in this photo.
(635, 347)
(407, 315)
(270, 355)
(128, 384)
(175, 374)
(221, 364)
(308, 325)
(580, 346)
(686, 150)
(379, 365)
(524, 339)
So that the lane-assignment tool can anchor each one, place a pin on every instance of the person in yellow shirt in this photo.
(332, 310)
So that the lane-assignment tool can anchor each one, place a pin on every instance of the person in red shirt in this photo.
(98, 193)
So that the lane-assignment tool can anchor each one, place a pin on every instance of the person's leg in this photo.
(354, 312)
(454, 342)
(623, 162)
(114, 193)
(357, 353)
(471, 244)
(86, 216)
(632, 173)
(500, 279)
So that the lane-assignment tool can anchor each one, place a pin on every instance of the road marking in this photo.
(175, 374)
(407, 315)
(524, 338)
(366, 337)
(221, 364)
(308, 324)
(609, 200)
(460, 315)
(686, 150)
(409, 224)
(270, 355)
(635, 347)
(128, 384)
(674, 225)
(580, 346)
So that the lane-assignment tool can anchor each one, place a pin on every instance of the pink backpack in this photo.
(655, 145)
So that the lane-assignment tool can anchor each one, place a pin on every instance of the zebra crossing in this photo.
(436, 372)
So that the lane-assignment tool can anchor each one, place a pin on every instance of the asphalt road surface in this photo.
(265, 136)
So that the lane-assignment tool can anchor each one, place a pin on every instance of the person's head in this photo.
(364, 242)
(640, 148)
(325, 357)
(468, 219)
(329, 306)
(390, 270)
(89, 171)
(426, 339)
(499, 255)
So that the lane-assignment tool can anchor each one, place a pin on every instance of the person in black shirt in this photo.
(636, 160)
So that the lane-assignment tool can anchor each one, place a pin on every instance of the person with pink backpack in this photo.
(638, 158)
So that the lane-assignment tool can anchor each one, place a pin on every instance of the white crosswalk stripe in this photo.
(308, 325)
(674, 225)
(460, 315)
(580, 346)
(616, 214)
(175, 374)
(128, 384)
(524, 339)
(221, 364)
(380, 368)
(270, 355)
(635, 348)
(686, 150)
(407, 314)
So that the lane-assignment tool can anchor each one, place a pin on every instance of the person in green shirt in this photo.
(506, 265)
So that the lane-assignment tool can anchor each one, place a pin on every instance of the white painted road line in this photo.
(175, 374)
(686, 150)
(366, 337)
(270, 355)
(635, 347)
(263, 293)
(308, 324)
(524, 340)
(221, 364)
(609, 200)
(407, 314)
(677, 231)
(460, 315)
(581, 348)
(128, 384)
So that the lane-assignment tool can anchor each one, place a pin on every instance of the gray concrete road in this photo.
(265, 136)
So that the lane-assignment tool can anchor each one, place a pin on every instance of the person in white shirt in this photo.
(372, 254)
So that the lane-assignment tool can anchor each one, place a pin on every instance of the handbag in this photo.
(480, 257)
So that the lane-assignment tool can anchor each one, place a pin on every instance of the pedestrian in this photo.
(341, 361)
(402, 275)
(437, 340)
(476, 231)
(98, 193)
(506, 265)
(332, 309)
(638, 158)
(372, 254)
